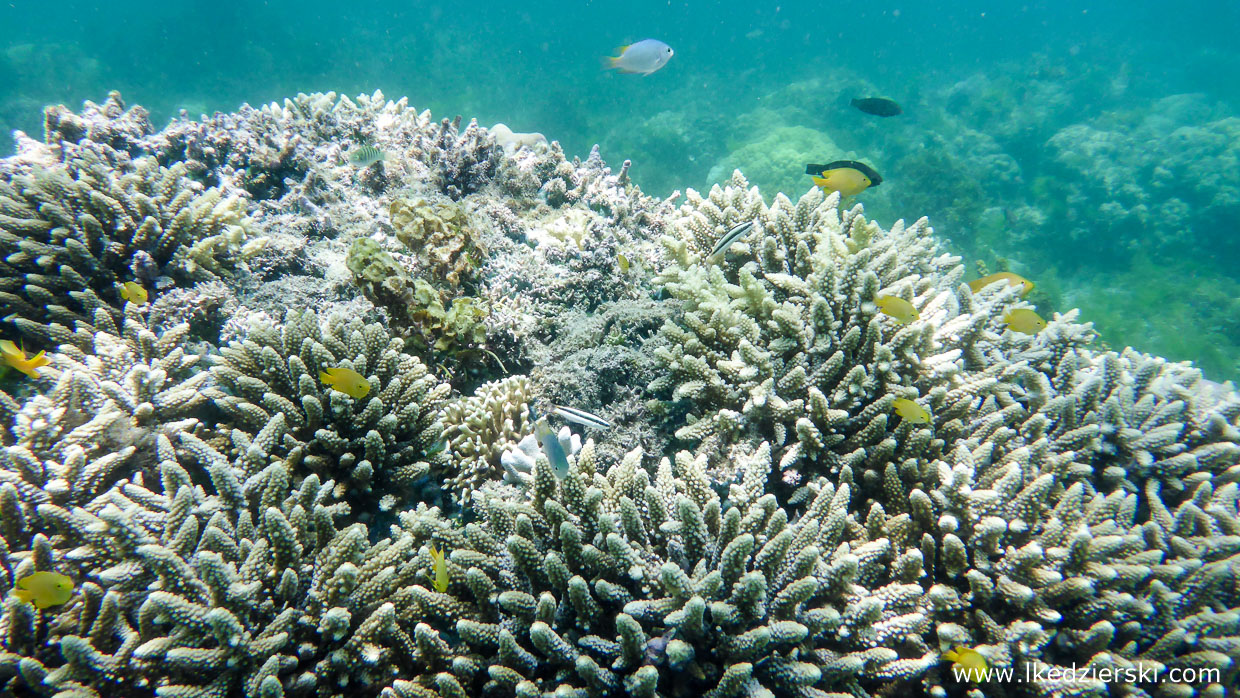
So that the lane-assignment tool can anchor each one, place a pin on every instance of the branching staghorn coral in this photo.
(621, 584)
(72, 233)
(98, 421)
(1063, 508)
(375, 447)
(242, 586)
(463, 161)
(783, 340)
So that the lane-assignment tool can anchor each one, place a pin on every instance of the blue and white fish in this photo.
(551, 447)
(645, 57)
(581, 417)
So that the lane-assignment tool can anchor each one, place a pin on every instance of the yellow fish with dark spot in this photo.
(1024, 320)
(1012, 279)
(346, 380)
(14, 356)
(897, 308)
(911, 411)
(134, 293)
(968, 664)
(44, 589)
(439, 570)
(848, 177)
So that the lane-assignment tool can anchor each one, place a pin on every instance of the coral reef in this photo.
(478, 429)
(440, 234)
(758, 521)
(75, 230)
(374, 448)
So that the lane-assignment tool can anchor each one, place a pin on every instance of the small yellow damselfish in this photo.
(897, 308)
(346, 380)
(12, 355)
(1013, 280)
(439, 570)
(134, 293)
(1024, 320)
(968, 664)
(911, 411)
(848, 177)
(44, 589)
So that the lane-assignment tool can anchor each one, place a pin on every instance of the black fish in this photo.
(819, 170)
(878, 106)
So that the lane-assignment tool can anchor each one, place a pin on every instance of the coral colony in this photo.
(777, 489)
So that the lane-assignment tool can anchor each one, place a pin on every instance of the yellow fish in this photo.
(1024, 320)
(848, 177)
(44, 589)
(911, 411)
(15, 357)
(134, 293)
(969, 664)
(623, 261)
(1012, 279)
(439, 570)
(897, 308)
(347, 381)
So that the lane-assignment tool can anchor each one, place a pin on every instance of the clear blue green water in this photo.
(1092, 147)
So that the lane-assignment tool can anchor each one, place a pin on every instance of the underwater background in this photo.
(318, 381)
(1091, 147)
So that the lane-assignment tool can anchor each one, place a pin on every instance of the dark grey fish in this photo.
(878, 106)
(730, 237)
(581, 417)
(365, 156)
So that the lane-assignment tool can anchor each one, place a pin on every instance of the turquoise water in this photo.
(1093, 148)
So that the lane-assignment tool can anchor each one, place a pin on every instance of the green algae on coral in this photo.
(441, 236)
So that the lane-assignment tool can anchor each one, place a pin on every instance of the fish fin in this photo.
(24, 594)
(327, 378)
(814, 169)
(820, 182)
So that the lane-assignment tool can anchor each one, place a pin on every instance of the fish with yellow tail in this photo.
(44, 589)
(1023, 320)
(438, 573)
(897, 308)
(968, 664)
(848, 177)
(1012, 279)
(13, 356)
(643, 57)
(911, 411)
(346, 380)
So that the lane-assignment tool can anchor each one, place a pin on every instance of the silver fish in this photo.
(365, 156)
(581, 417)
(551, 447)
(730, 237)
(644, 57)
